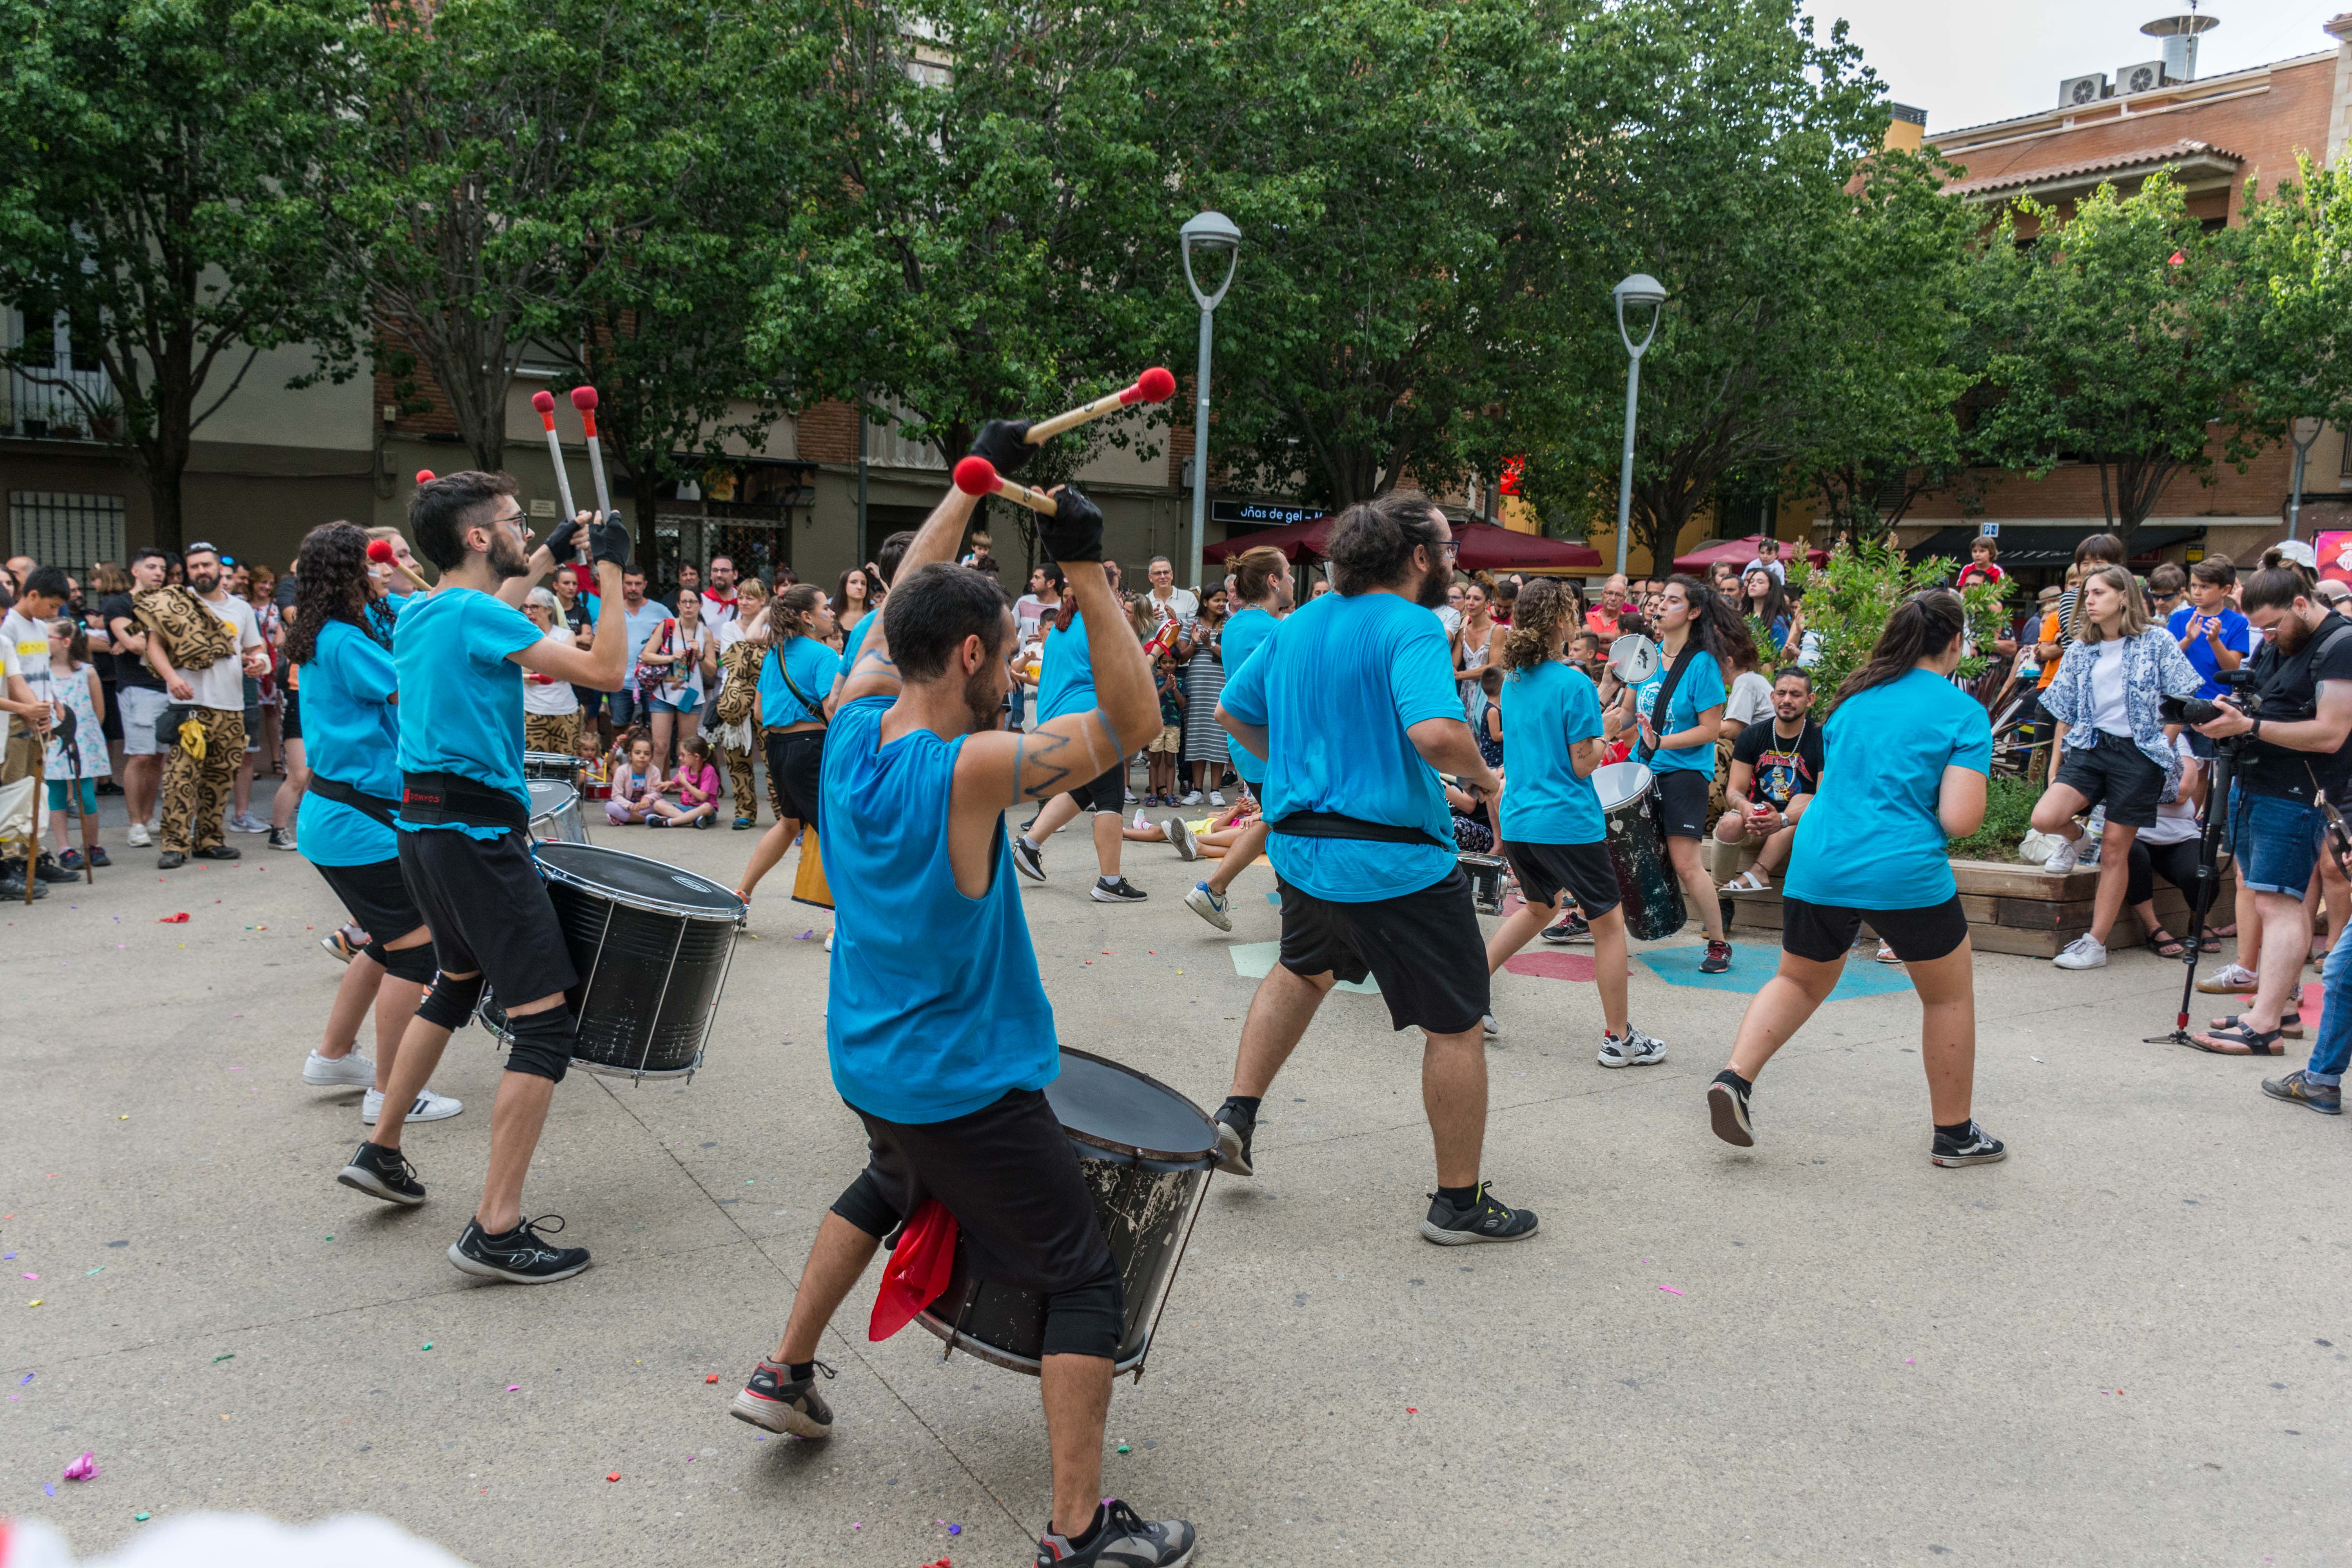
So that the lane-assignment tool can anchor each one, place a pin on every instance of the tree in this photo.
(145, 202)
(2106, 343)
(2289, 311)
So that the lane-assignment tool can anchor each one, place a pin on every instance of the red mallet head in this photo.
(424, 476)
(545, 403)
(380, 552)
(583, 398)
(976, 476)
(1156, 385)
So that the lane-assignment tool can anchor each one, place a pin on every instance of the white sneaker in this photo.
(2086, 951)
(1631, 1049)
(2061, 859)
(1132, 798)
(1181, 836)
(139, 838)
(1194, 798)
(1217, 797)
(1141, 821)
(429, 1107)
(2233, 977)
(339, 1072)
(1488, 1023)
(828, 942)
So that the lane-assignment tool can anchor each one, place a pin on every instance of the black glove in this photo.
(1000, 442)
(563, 542)
(609, 541)
(1074, 533)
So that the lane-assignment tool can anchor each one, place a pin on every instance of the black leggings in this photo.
(2176, 862)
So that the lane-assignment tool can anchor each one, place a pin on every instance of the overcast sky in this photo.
(1968, 61)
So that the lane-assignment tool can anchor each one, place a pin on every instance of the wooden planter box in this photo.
(2025, 910)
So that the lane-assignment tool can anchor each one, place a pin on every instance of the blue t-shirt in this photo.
(1246, 633)
(1871, 840)
(1701, 687)
(460, 695)
(644, 622)
(934, 1008)
(2201, 653)
(1336, 693)
(1546, 710)
(350, 733)
(811, 665)
(852, 642)
(1065, 674)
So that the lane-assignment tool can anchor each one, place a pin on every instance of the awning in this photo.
(1739, 553)
(1485, 547)
(2050, 543)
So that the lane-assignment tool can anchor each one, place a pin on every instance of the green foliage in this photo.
(2009, 817)
(1849, 598)
(2289, 308)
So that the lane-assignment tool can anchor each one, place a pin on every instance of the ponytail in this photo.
(788, 610)
(1716, 624)
(1533, 635)
(1922, 626)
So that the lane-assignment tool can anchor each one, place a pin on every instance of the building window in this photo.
(57, 529)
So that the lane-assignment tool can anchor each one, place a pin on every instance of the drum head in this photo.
(1618, 783)
(548, 796)
(1112, 1107)
(1634, 659)
(638, 882)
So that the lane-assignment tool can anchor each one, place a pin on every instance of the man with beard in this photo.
(1352, 705)
(464, 850)
(196, 781)
(719, 599)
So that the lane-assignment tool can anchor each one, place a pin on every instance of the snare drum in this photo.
(1146, 1152)
(1653, 895)
(555, 813)
(1485, 873)
(652, 945)
(556, 765)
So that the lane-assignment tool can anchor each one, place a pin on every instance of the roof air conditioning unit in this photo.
(2143, 77)
(2078, 90)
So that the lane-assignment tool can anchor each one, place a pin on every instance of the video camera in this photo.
(2201, 710)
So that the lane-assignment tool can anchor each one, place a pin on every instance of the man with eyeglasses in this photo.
(464, 845)
(1351, 703)
(197, 775)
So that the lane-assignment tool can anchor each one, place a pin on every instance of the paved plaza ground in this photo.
(2126, 1345)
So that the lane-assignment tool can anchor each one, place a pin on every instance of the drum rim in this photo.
(571, 792)
(554, 873)
(1200, 1159)
(559, 758)
(1650, 776)
(980, 1350)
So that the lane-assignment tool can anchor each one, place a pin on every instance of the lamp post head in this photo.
(1638, 291)
(1212, 236)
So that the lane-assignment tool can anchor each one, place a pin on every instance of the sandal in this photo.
(2290, 1022)
(2164, 945)
(1886, 954)
(1752, 881)
(2210, 943)
(2249, 1042)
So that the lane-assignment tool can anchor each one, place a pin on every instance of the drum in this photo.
(555, 813)
(652, 944)
(554, 765)
(1637, 849)
(1485, 873)
(1146, 1152)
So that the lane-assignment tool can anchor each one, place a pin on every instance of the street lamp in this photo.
(2303, 433)
(1213, 235)
(1638, 291)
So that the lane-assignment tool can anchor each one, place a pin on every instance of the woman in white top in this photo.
(1474, 645)
(687, 655)
(550, 708)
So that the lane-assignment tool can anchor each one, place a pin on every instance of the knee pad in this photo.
(862, 1205)
(542, 1043)
(450, 1001)
(1089, 1319)
(414, 964)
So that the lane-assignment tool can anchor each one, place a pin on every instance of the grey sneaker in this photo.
(1180, 835)
(2296, 1088)
(776, 1400)
(1630, 1049)
(1121, 1540)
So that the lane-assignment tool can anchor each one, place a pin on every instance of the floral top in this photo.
(2154, 668)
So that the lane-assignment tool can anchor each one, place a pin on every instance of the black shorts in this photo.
(376, 897)
(796, 767)
(1822, 932)
(112, 725)
(488, 910)
(1424, 948)
(289, 721)
(1682, 802)
(1107, 793)
(2118, 773)
(1583, 871)
(1023, 1211)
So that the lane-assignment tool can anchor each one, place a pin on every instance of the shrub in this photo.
(1848, 599)
(2008, 816)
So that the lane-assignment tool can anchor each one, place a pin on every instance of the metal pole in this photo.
(2295, 500)
(1625, 470)
(863, 549)
(1200, 456)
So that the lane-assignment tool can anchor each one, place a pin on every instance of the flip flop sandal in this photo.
(2164, 945)
(1886, 954)
(1747, 882)
(2256, 1044)
(2290, 1024)
(2210, 943)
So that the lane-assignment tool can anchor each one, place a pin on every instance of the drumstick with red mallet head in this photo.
(1154, 385)
(545, 403)
(583, 398)
(380, 551)
(976, 476)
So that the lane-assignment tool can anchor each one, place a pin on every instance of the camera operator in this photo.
(2298, 742)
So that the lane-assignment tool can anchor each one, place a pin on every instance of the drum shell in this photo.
(561, 824)
(1652, 894)
(1485, 873)
(557, 765)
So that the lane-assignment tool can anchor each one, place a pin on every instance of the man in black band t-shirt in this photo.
(141, 694)
(1776, 766)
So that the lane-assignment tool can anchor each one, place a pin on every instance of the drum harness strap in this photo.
(1337, 825)
(1665, 697)
(342, 794)
(433, 798)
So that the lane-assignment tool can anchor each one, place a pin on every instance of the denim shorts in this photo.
(685, 704)
(2276, 842)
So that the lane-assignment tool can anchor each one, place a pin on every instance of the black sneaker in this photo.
(12, 887)
(1718, 959)
(1569, 928)
(385, 1174)
(519, 1257)
(48, 870)
(170, 860)
(1120, 892)
(282, 838)
(1486, 1219)
(1727, 1102)
(1121, 1540)
(1234, 1136)
(779, 1402)
(217, 852)
(1027, 860)
(99, 857)
(1977, 1147)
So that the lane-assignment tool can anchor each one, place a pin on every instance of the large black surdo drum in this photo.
(1653, 895)
(1146, 1152)
(651, 944)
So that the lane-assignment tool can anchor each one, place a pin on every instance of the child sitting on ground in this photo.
(697, 783)
(637, 788)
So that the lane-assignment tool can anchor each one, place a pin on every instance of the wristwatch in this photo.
(2255, 733)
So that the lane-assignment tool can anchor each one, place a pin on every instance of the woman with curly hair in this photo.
(339, 650)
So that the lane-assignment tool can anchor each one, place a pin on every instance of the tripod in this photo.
(2209, 876)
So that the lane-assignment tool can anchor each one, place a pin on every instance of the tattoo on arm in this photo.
(875, 662)
(1051, 771)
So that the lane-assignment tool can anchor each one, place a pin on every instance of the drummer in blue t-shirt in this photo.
(1678, 714)
(1261, 581)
